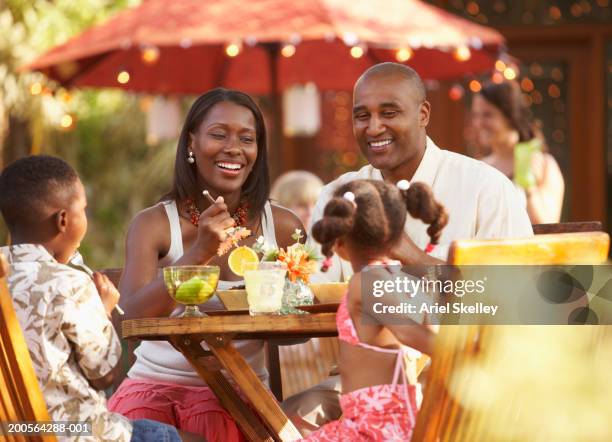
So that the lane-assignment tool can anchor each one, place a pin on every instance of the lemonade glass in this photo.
(264, 286)
(191, 286)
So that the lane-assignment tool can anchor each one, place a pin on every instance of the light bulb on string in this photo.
(67, 122)
(233, 49)
(288, 50)
(123, 77)
(36, 88)
(500, 65)
(357, 51)
(462, 53)
(497, 78)
(150, 54)
(403, 54)
(509, 73)
(455, 93)
(475, 86)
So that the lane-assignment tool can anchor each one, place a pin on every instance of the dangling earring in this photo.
(190, 158)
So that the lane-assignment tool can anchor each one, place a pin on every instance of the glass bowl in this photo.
(191, 286)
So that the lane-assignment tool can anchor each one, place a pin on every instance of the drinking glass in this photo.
(265, 289)
(523, 153)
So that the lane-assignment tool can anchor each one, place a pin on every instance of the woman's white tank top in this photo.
(158, 360)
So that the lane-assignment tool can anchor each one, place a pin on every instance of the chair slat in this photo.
(445, 414)
(20, 393)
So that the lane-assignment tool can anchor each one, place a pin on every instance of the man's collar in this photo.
(27, 253)
(428, 167)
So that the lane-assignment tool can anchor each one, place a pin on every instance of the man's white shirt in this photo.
(480, 200)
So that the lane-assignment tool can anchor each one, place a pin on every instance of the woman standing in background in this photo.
(501, 121)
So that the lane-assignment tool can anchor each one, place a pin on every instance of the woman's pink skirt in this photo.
(189, 408)
(378, 413)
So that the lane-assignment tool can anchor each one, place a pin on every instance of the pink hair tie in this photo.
(327, 262)
(430, 248)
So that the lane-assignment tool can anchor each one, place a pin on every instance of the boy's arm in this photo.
(96, 346)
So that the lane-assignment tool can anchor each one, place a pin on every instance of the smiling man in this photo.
(390, 117)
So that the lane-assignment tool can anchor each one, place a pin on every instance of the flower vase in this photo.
(296, 293)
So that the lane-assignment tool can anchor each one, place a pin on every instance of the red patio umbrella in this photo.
(168, 46)
(185, 44)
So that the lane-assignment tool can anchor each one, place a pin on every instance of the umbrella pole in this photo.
(278, 158)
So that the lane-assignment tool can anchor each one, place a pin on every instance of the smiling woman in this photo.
(221, 149)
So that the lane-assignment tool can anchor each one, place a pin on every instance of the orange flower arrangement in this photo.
(300, 260)
(299, 263)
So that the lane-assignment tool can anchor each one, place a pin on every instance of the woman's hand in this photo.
(545, 198)
(211, 230)
(538, 167)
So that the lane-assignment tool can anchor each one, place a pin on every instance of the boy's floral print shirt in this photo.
(69, 337)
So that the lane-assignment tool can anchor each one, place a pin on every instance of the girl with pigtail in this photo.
(362, 223)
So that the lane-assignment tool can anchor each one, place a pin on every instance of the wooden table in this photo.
(186, 334)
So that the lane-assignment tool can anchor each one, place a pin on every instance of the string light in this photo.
(509, 74)
(473, 8)
(123, 77)
(455, 92)
(554, 91)
(66, 121)
(576, 10)
(462, 53)
(497, 78)
(288, 50)
(500, 66)
(36, 88)
(536, 96)
(64, 95)
(357, 52)
(554, 12)
(233, 49)
(150, 54)
(475, 86)
(536, 69)
(527, 84)
(403, 54)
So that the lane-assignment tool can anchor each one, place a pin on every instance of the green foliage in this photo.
(121, 173)
(107, 145)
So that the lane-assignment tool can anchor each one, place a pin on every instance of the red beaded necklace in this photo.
(240, 215)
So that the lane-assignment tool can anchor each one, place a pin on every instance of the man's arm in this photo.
(501, 213)
(407, 252)
(334, 273)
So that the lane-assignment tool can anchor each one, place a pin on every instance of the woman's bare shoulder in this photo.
(151, 224)
(285, 223)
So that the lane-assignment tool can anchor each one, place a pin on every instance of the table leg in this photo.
(251, 426)
(259, 396)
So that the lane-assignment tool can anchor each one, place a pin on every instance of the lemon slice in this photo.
(239, 256)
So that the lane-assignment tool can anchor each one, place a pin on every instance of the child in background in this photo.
(63, 313)
(298, 191)
(362, 223)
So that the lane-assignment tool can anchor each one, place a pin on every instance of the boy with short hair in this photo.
(64, 315)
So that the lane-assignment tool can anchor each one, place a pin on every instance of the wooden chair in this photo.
(20, 395)
(466, 358)
(573, 227)
(305, 365)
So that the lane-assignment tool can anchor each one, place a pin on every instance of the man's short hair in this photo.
(390, 68)
(31, 184)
